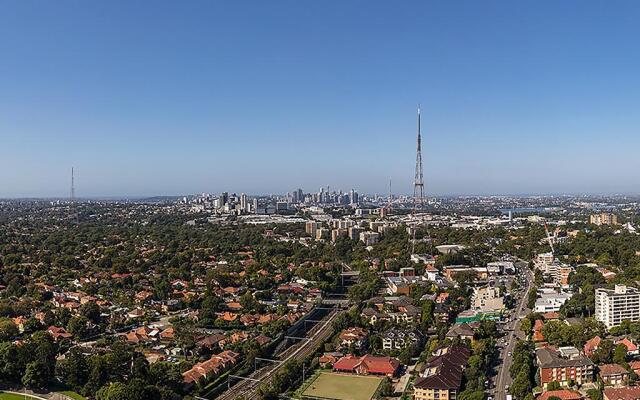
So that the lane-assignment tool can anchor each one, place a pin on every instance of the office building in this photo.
(551, 302)
(243, 203)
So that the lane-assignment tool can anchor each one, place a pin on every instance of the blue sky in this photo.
(150, 98)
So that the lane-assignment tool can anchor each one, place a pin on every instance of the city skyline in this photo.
(516, 99)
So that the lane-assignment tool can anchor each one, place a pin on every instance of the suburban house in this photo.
(355, 336)
(562, 394)
(400, 338)
(204, 370)
(624, 393)
(591, 346)
(463, 331)
(613, 374)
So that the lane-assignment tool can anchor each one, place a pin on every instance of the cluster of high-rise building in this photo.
(323, 197)
(368, 232)
(224, 202)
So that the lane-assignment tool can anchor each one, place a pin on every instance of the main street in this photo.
(513, 329)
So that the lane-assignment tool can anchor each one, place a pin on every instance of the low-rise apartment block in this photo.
(564, 365)
(616, 305)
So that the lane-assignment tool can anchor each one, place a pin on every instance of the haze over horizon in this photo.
(256, 97)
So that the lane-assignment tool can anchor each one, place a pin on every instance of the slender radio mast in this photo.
(72, 198)
(73, 188)
(418, 185)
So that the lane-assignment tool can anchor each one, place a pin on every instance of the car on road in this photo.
(509, 354)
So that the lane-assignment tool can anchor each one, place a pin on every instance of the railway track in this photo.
(248, 388)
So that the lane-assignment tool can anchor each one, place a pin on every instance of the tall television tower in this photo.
(418, 183)
(73, 188)
(418, 186)
(72, 199)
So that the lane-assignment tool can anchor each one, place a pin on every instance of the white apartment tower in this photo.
(617, 305)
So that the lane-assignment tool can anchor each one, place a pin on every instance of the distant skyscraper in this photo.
(243, 202)
(300, 195)
(353, 197)
(223, 199)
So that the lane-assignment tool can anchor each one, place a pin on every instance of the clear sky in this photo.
(162, 98)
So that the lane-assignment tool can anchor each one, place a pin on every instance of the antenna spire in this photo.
(73, 187)
(418, 184)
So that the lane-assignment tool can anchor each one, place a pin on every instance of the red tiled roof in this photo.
(347, 363)
(380, 365)
(370, 364)
(612, 369)
(538, 325)
(628, 344)
(625, 393)
(592, 345)
(551, 315)
(563, 394)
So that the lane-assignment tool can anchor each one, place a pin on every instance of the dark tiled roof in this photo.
(549, 358)
(449, 369)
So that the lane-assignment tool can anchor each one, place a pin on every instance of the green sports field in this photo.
(342, 387)
(12, 396)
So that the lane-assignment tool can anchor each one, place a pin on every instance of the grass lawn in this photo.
(11, 396)
(342, 387)
(73, 395)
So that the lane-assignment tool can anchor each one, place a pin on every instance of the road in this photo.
(513, 328)
(248, 388)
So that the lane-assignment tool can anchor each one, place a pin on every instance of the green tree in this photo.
(521, 386)
(114, 391)
(620, 354)
(73, 369)
(90, 311)
(36, 375)
(594, 394)
(472, 395)
(77, 326)
(8, 329)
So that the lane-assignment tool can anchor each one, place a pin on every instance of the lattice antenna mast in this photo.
(73, 188)
(418, 183)
(72, 198)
